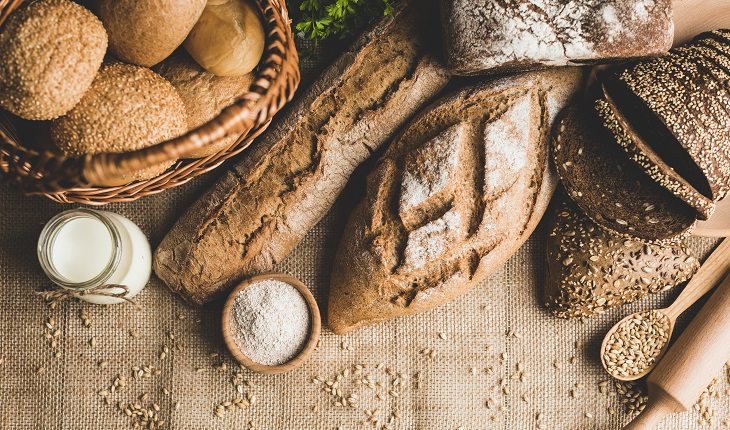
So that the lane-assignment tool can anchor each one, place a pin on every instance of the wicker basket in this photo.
(68, 179)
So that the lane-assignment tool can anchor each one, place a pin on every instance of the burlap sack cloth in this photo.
(493, 359)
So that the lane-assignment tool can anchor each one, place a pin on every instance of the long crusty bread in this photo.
(452, 199)
(265, 205)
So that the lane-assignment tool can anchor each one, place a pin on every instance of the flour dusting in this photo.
(430, 168)
(431, 241)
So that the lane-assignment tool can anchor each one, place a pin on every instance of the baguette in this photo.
(258, 212)
(455, 195)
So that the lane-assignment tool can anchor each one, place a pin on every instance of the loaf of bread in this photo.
(454, 196)
(259, 210)
(204, 94)
(590, 270)
(486, 36)
(613, 191)
(681, 102)
(651, 156)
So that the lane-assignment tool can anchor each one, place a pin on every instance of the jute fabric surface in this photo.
(480, 343)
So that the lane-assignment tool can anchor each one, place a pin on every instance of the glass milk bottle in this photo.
(84, 249)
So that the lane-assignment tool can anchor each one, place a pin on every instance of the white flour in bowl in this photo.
(270, 322)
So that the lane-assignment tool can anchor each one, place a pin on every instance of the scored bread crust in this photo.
(264, 205)
(455, 195)
(611, 189)
(590, 270)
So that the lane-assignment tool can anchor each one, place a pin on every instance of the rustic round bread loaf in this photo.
(203, 93)
(590, 270)
(126, 108)
(50, 51)
(612, 190)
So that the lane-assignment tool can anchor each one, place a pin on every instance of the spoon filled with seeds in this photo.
(634, 345)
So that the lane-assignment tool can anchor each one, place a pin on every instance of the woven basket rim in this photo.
(68, 179)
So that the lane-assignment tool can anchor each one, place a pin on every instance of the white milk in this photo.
(83, 248)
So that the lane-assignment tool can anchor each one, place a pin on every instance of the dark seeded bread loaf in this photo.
(590, 270)
(486, 36)
(684, 97)
(451, 200)
(263, 207)
(611, 189)
(643, 154)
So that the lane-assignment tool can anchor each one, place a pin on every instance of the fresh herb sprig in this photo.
(325, 19)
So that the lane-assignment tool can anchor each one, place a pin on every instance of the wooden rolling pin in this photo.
(690, 364)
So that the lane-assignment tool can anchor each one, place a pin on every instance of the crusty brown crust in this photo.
(473, 210)
(486, 36)
(590, 270)
(265, 204)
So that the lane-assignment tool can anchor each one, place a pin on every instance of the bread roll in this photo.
(117, 114)
(145, 32)
(204, 94)
(50, 51)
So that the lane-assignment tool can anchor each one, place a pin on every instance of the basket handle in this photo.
(6, 8)
(108, 168)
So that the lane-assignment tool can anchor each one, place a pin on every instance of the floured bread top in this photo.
(464, 178)
(487, 34)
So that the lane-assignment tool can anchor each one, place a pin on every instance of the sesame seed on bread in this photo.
(611, 189)
(590, 270)
(684, 98)
(632, 141)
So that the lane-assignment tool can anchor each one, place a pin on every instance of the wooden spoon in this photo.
(314, 328)
(710, 274)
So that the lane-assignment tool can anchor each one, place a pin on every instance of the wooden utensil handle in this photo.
(692, 17)
(653, 414)
(713, 270)
(698, 354)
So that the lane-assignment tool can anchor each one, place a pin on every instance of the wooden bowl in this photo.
(314, 329)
